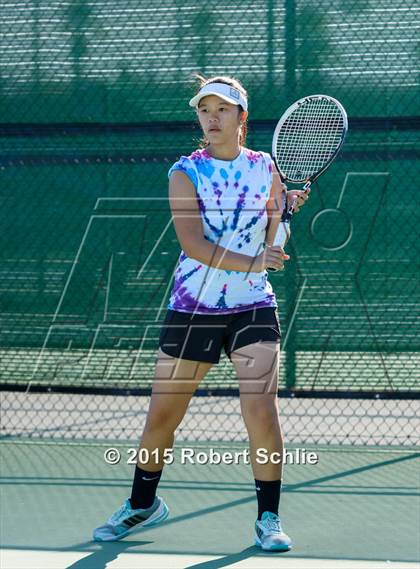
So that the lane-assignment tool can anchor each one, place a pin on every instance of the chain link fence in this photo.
(94, 110)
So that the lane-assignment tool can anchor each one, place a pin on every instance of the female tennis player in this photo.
(226, 202)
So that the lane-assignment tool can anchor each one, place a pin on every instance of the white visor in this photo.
(226, 92)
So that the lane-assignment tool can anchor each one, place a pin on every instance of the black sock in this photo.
(268, 496)
(144, 488)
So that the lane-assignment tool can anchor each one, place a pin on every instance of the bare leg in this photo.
(257, 368)
(174, 384)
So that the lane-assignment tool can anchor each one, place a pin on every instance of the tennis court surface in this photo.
(354, 508)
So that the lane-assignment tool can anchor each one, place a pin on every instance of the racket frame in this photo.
(284, 225)
(282, 120)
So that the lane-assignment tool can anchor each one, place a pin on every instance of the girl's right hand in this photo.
(272, 257)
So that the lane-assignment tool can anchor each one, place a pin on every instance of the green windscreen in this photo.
(94, 110)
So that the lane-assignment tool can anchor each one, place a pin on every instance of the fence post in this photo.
(291, 266)
(290, 292)
(270, 44)
(290, 49)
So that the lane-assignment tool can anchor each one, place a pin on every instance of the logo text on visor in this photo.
(234, 93)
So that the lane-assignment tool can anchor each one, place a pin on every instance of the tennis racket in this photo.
(306, 140)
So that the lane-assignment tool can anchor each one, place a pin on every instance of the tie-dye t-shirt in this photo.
(232, 197)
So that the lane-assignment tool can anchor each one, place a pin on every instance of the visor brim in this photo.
(196, 100)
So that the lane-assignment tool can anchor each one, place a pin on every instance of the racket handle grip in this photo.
(281, 238)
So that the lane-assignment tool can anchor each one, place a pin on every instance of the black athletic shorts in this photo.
(201, 337)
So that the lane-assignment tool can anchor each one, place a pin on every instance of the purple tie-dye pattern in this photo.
(253, 157)
(225, 176)
(239, 206)
(202, 161)
(221, 303)
(184, 301)
(217, 192)
(252, 222)
(231, 187)
(238, 175)
(202, 153)
(215, 230)
(191, 304)
(179, 281)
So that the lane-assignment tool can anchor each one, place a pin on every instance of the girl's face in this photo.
(219, 120)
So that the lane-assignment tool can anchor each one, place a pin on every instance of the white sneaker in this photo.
(269, 534)
(126, 520)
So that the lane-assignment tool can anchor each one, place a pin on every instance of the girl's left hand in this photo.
(297, 196)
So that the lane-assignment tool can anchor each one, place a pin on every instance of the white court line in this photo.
(29, 559)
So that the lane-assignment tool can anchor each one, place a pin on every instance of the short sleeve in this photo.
(185, 165)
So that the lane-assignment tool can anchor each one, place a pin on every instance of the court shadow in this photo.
(106, 553)
(230, 559)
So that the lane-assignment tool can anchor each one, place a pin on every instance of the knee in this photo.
(163, 418)
(261, 414)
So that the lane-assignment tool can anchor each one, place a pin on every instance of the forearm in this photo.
(271, 229)
(275, 207)
(218, 257)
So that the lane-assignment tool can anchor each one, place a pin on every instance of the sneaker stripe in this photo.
(130, 522)
(139, 518)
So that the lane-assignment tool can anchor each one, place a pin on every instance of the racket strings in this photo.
(309, 143)
(309, 138)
